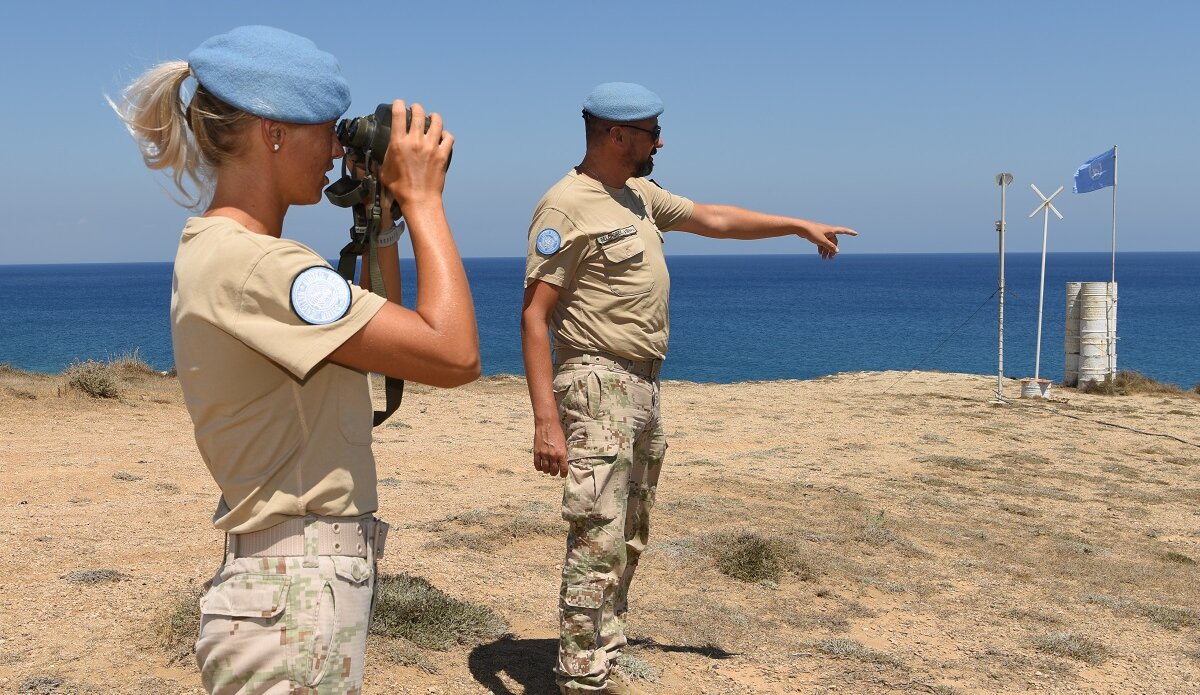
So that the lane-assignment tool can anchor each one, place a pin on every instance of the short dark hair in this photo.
(594, 127)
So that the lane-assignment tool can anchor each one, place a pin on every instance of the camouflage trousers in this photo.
(615, 448)
(287, 625)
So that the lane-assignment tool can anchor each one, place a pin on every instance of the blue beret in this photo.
(622, 102)
(272, 73)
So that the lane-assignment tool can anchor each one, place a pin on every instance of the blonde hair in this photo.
(191, 141)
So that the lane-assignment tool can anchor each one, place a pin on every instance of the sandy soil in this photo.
(946, 544)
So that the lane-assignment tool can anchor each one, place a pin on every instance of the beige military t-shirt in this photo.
(604, 247)
(282, 432)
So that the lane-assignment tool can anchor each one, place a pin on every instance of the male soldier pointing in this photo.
(596, 274)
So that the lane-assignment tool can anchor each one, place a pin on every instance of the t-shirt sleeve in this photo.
(264, 319)
(669, 210)
(556, 257)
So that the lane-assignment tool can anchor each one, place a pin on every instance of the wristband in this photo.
(387, 237)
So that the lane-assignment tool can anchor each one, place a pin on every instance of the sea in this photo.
(733, 318)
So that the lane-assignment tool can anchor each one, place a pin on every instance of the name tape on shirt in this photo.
(548, 241)
(616, 234)
(320, 296)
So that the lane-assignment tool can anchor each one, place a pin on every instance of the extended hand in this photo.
(825, 237)
(550, 449)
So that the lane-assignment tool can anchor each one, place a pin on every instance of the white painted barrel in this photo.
(1071, 336)
(1035, 388)
(1097, 332)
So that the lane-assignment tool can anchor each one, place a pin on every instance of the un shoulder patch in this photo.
(320, 296)
(548, 242)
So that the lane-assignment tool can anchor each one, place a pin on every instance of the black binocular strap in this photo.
(393, 389)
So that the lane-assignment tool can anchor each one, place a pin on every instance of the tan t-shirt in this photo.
(605, 250)
(282, 432)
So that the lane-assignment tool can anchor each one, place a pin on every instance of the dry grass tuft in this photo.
(1035, 615)
(22, 394)
(131, 366)
(1170, 617)
(751, 557)
(107, 379)
(412, 608)
(636, 667)
(42, 685)
(92, 378)
(960, 463)
(1180, 558)
(177, 622)
(876, 532)
(1130, 383)
(1072, 646)
(403, 652)
(97, 576)
(844, 648)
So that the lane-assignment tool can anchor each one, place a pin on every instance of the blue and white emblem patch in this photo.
(548, 242)
(320, 295)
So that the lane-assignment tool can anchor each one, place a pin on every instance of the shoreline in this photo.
(1012, 384)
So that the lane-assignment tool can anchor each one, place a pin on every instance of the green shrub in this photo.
(412, 608)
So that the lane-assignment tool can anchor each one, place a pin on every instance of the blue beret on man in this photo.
(622, 102)
(272, 73)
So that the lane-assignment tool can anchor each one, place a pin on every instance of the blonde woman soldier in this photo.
(272, 348)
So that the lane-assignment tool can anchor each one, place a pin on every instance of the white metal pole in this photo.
(1110, 307)
(1114, 218)
(1037, 363)
(1003, 180)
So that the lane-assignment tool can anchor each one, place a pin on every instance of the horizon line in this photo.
(703, 255)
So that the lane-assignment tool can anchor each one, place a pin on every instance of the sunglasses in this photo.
(655, 133)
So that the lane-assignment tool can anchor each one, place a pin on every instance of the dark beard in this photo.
(645, 167)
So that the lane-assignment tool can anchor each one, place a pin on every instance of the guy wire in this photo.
(944, 340)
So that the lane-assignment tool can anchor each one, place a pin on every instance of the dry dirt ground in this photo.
(944, 544)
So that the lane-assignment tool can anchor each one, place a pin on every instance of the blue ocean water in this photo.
(733, 318)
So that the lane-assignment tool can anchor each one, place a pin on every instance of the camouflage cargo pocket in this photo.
(585, 597)
(262, 596)
(597, 474)
(240, 624)
(577, 391)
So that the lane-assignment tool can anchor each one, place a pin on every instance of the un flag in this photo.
(1096, 173)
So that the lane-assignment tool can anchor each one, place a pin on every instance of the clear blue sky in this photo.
(892, 118)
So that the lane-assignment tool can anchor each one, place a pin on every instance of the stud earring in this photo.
(275, 147)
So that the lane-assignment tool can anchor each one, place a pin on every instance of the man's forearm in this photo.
(539, 368)
(730, 222)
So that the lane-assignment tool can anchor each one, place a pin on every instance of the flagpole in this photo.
(1110, 308)
(1114, 218)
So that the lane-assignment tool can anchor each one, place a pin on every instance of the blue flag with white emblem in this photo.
(1096, 173)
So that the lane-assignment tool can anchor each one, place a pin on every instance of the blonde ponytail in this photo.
(190, 141)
